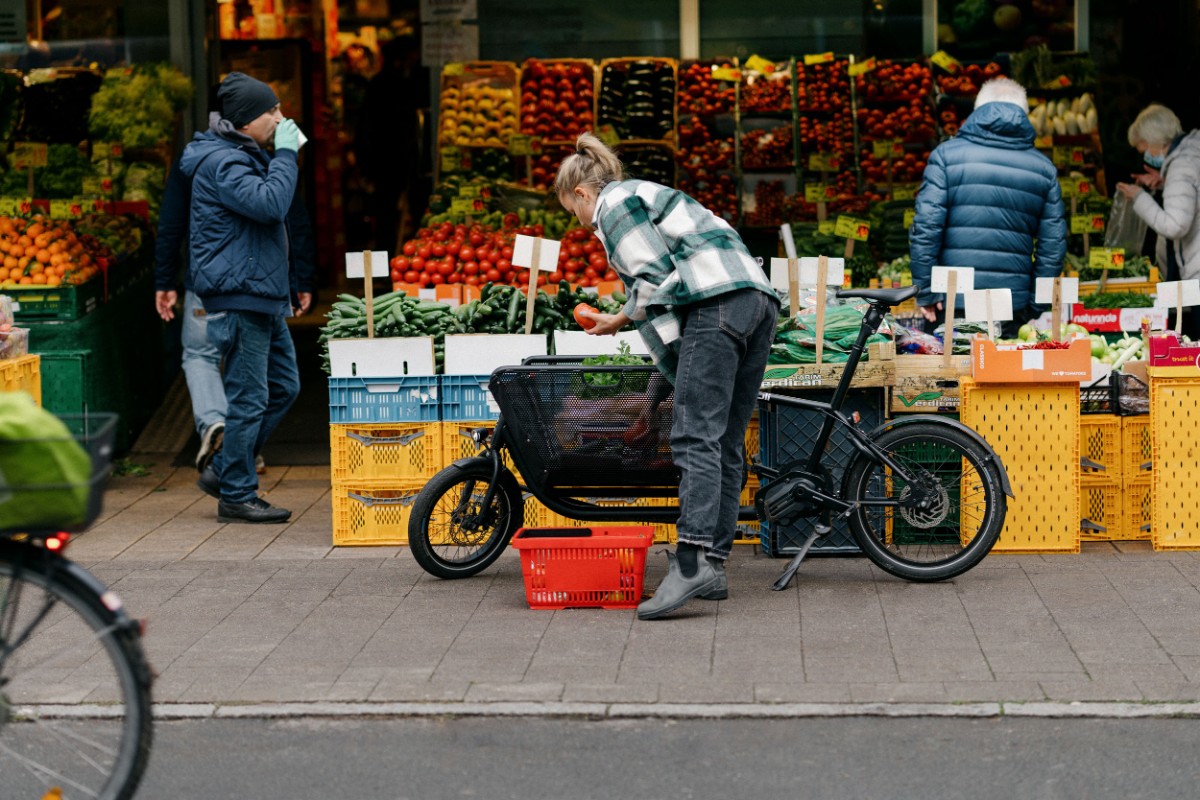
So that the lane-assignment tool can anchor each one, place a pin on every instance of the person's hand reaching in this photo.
(287, 136)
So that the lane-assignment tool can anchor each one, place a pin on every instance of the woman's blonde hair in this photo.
(592, 164)
(1157, 125)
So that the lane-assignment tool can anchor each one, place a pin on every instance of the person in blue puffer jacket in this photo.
(989, 200)
(241, 196)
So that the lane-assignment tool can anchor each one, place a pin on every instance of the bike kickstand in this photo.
(794, 564)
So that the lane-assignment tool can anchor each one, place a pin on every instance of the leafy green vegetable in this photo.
(139, 110)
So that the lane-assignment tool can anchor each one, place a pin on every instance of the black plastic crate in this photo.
(787, 434)
(1116, 393)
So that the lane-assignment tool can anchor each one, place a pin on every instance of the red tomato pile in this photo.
(767, 93)
(705, 165)
(768, 205)
(544, 167)
(966, 83)
(907, 169)
(768, 148)
(910, 122)
(823, 87)
(582, 260)
(893, 81)
(834, 135)
(557, 98)
(700, 93)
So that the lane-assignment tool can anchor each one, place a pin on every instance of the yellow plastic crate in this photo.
(1101, 513)
(22, 374)
(663, 532)
(1100, 460)
(457, 442)
(396, 451)
(1175, 439)
(374, 513)
(1137, 448)
(1034, 428)
(1138, 510)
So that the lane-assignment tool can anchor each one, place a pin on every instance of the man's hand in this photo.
(931, 312)
(305, 306)
(164, 304)
(287, 136)
(606, 324)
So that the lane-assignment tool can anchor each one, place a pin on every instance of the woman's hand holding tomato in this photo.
(607, 324)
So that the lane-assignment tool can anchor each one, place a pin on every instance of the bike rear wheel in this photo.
(450, 533)
(957, 528)
(74, 685)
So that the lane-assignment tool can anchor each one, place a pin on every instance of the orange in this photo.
(39, 279)
(53, 280)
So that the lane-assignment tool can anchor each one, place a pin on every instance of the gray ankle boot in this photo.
(675, 590)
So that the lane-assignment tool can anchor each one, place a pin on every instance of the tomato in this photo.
(475, 238)
(445, 268)
(506, 252)
(587, 323)
(471, 280)
(395, 275)
(454, 277)
(411, 276)
(424, 278)
(424, 251)
(439, 251)
(436, 279)
(409, 248)
(555, 277)
(470, 268)
(597, 260)
(493, 274)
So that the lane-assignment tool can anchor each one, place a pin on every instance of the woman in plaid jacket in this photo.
(706, 311)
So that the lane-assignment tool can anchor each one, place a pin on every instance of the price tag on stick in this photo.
(537, 255)
(952, 281)
(822, 278)
(788, 270)
(992, 305)
(1059, 292)
(1177, 294)
(366, 265)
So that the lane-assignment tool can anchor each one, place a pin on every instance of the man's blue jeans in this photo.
(261, 383)
(201, 366)
(722, 356)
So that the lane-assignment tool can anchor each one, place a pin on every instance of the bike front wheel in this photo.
(74, 685)
(964, 506)
(451, 533)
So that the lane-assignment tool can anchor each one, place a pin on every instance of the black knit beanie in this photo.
(245, 99)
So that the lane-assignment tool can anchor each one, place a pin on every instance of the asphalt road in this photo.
(571, 759)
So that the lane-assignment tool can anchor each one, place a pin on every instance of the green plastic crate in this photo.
(64, 302)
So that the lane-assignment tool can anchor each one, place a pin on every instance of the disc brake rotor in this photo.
(939, 506)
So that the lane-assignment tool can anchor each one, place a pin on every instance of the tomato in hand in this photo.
(587, 323)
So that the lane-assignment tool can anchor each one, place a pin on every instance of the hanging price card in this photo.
(30, 154)
(726, 74)
(103, 150)
(946, 61)
(608, 134)
(522, 144)
(451, 159)
(10, 205)
(97, 186)
(1106, 258)
(453, 69)
(818, 58)
(887, 148)
(759, 64)
(66, 209)
(1066, 156)
(1087, 223)
(470, 190)
(862, 67)
(1083, 186)
(827, 227)
(824, 162)
(1068, 186)
(904, 191)
(1044, 142)
(909, 215)
(852, 228)
(819, 192)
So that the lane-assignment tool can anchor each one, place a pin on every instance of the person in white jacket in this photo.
(1172, 160)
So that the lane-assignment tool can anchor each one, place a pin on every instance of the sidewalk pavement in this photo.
(249, 620)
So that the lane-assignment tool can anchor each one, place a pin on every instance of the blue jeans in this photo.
(201, 366)
(261, 383)
(723, 353)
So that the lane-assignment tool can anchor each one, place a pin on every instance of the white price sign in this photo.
(528, 248)
(379, 264)
(988, 305)
(1044, 290)
(964, 279)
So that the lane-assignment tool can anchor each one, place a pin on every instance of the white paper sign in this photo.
(835, 271)
(779, 274)
(964, 279)
(977, 300)
(379, 264)
(523, 253)
(1168, 293)
(1044, 290)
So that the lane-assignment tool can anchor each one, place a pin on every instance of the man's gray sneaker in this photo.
(675, 590)
(722, 590)
(210, 445)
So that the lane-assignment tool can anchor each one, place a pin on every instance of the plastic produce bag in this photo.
(44, 472)
(1125, 228)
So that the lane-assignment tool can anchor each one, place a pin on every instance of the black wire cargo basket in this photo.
(59, 506)
(603, 427)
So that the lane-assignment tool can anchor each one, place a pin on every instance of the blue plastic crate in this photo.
(467, 398)
(407, 399)
(787, 434)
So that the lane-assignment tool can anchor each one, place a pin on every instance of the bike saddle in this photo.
(889, 297)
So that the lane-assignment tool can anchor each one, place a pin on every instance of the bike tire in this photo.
(75, 707)
(937, 543)
(443, 530)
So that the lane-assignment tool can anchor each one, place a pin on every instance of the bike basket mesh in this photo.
(581, 426)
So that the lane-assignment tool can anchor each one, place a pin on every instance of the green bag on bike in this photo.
(44, 472)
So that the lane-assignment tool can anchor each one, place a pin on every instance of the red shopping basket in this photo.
(597, 567)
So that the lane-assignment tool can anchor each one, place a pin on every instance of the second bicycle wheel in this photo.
(964, 510)
(74, 688)
(451, 533)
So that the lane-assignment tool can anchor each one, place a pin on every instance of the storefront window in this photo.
(978, 29)
(85, 32)
(513, 30)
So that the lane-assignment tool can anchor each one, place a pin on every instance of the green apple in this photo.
(1026, 333)
(1099, 346)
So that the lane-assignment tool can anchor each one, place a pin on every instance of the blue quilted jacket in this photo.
(989, 200)
(238, 225)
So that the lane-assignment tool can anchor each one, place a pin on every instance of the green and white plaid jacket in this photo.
(670, 252)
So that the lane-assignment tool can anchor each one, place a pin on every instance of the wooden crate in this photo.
(928, 383)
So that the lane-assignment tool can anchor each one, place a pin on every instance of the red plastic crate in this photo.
(597, 567)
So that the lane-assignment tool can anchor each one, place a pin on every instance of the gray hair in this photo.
(1157, 125)
(1002, 90)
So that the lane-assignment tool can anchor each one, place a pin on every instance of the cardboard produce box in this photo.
(992, 364)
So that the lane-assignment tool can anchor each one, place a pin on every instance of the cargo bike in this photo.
(924, 496)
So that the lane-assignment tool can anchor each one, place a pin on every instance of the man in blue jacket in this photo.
(989, 200)
(239, 245)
